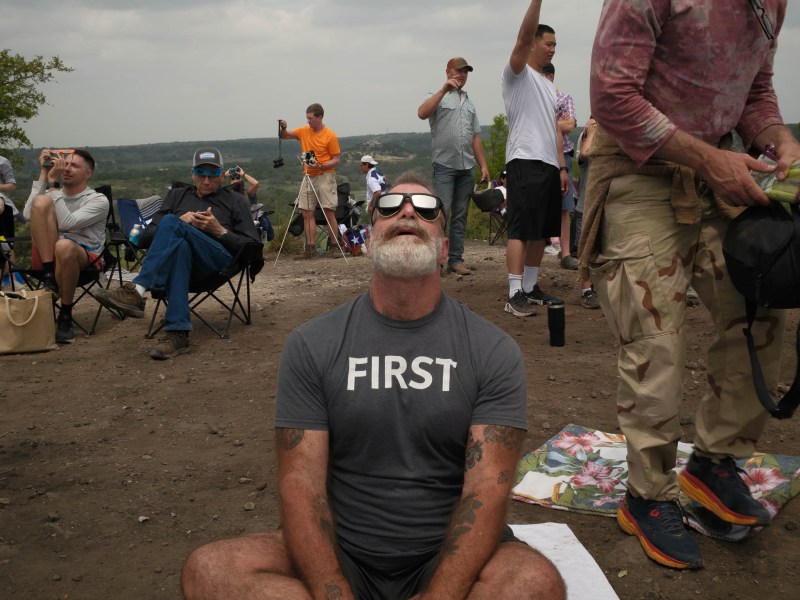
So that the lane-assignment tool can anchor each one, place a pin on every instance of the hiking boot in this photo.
(589, 299)
(49, 283)
(125, 299)
(569, 262)
(720, 489)
(692, 299)
(459, 268)
(171, 345)
(661, 532)
(537, 296)
(519, 306)
(65, 334)
(309, 252)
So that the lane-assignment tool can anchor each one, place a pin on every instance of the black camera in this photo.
(48, 163)
(234, 171)
(277, 163)
(308, 157)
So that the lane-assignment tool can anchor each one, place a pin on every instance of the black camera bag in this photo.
(762, 253)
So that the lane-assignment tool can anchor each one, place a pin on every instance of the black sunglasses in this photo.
(763, 19)
(427, 206)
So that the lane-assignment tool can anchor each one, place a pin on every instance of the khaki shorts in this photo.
(325, 186)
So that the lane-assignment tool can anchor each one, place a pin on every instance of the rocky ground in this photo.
(113, 467)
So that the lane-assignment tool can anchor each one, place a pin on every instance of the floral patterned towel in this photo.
(584, 470)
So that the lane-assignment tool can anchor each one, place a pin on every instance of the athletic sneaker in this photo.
(661, 532)
(569, 262)
(692, 299)
(589, 299)
(65, 334)
(537, 296)
(125, 299)
(720, 488)
(552, 250)
(519, 306)
(171, 345)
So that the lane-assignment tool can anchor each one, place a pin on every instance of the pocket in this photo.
(625, 275)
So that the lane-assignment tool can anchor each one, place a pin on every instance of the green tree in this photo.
(495, 147)
(20, 97)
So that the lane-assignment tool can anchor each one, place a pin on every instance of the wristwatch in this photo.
(54, 184)
(563, 169)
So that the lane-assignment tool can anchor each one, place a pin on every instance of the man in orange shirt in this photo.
(323, 142)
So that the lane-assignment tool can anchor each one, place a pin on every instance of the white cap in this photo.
(368, 159)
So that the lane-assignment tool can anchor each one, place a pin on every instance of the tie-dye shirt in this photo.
(701, 66)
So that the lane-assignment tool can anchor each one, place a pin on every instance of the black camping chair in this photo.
(94, 276)
(346, 213)
(489, 201)
(241, 272)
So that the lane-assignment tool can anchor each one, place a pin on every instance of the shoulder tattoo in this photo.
(288, 439)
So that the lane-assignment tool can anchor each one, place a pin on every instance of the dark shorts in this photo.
(370, 582)
(534, 200)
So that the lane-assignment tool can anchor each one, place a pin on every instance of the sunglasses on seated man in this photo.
(207, 172)
(427, 206)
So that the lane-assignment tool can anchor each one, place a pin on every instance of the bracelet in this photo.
(563, 169)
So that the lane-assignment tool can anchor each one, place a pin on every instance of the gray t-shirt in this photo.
(398, 398)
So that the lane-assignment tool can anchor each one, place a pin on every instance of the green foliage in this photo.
(20, 97)
(495, 146)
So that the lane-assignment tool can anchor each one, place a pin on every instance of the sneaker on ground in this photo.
(720, 489)
(692, 299)
(49, 283)
(171, 345)
(661, 532)
(551, 249)
(65, 334)
(589, 299)
(519, 306)
(537, 296)
(125, 299)
(459, 268)
(569, 262)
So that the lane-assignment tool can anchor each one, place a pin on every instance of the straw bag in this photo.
(26, 322)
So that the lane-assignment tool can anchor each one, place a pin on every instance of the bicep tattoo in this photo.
(509, 437)
(288, 439)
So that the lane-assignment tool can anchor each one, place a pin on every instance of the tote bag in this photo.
(26, 322)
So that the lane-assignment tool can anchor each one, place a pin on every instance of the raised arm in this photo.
(284, 132)
(307, 520)
(472, 537)
(527, 31)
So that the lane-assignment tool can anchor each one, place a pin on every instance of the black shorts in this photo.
(534, 200)
(371, 582)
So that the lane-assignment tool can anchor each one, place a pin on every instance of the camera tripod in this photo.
(306, 184)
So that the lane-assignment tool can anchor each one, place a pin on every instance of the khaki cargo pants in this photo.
(645, 264)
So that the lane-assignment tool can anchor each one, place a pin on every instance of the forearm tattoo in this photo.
(288, 439)
(474, 452)
(463, 519)
(332, 591)
(322, 514)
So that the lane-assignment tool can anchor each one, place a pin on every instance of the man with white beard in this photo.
(400, 417)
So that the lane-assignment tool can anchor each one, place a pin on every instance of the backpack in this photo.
(762, 253)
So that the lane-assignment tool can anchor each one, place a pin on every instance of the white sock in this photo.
(529, 278)
(514, 284)
(140, 289)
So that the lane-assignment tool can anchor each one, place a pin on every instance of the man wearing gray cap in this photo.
(455, 148)
(197, 231)
(376, 182)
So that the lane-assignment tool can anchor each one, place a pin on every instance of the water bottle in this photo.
(135, 234)
(555, 323)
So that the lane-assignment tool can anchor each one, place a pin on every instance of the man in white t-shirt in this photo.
(534, 155)
(376, 182)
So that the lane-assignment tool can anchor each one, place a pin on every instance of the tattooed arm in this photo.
(491, 457)
(307, 519)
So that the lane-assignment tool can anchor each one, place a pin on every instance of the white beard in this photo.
(405, 256)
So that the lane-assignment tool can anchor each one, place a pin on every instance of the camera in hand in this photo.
(308, 158)
(48, 163)
(234, 171)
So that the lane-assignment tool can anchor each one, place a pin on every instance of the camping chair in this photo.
(489, 201)
(130, 214)
(346, 213)
(92, 277)
(242, 271)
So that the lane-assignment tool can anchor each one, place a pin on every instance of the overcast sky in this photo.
(183, 70)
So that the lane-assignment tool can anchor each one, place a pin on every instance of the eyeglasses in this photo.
(763, 19)
(205, 172)
(427, 206)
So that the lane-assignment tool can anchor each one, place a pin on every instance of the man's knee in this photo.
(41, 202)
(518, 571)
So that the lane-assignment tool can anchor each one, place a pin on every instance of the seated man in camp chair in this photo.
(68, 227)
(197, 231)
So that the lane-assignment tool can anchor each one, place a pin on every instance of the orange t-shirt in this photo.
(324, 143)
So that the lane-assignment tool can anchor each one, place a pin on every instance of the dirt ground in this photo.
(113, 467)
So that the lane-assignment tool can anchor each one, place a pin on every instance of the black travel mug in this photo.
(555, 323)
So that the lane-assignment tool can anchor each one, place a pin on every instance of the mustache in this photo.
(402, 226)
